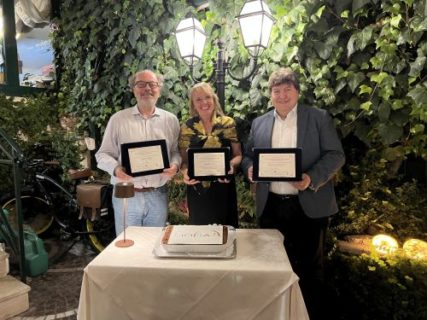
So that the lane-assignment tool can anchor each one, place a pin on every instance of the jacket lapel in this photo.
(268, 129)
(302, 118)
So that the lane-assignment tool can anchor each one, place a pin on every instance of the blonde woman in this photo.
(215, 201)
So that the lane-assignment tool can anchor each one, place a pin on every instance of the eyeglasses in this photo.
(143, 84)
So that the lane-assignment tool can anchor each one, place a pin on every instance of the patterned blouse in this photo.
(193, 133)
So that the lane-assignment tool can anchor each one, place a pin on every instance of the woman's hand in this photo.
(187, 180)
(230, 172)
(225, 180)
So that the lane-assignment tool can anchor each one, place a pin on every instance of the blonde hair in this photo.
(207, 89)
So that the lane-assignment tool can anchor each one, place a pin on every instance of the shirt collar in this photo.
(135, 111)
(291, 115)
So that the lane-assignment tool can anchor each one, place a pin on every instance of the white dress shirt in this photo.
(129, 125)
(284, 136)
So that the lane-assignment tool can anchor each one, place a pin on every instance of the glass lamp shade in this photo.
(256, 22)
(191, 38)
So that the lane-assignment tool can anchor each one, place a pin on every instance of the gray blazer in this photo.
(322, 157)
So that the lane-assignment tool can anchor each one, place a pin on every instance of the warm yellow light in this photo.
(416, 249)
(384, 244)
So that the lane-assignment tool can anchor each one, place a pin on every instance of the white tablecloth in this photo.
(131, 283)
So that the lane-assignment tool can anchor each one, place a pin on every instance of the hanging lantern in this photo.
(256, 22)
(191, 38)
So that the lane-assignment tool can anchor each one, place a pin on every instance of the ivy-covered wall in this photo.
(362, 60)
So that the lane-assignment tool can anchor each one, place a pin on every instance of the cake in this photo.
(195, 235)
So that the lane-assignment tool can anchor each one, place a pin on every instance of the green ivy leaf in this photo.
(419, 25)
(355, 79)
(365, 37)
(365, 89)
(366, 105)
(134, 35)
(350, 45)
(383, 112)
(418, 128)
(397, 104)
(390, 133)
(379, 77)
(399, 118)
(417, 66)
(340, 85)
(395, 21)
(255, 97)
(323, 50)
(419, 95)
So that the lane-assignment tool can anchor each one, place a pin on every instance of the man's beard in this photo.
(147, 103)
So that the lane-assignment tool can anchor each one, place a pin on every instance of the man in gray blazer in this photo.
(300, 209)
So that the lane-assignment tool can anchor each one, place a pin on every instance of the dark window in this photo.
(26, 57)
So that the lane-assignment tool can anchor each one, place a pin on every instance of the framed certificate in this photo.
(144, 158)
(277, 164)
(206, 164)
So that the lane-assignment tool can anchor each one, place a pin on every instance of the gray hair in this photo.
(131, 80)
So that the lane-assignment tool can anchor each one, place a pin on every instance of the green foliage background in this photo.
(34, 124)
(362, 60)
(368, 287)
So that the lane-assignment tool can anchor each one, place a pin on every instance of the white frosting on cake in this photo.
(187, 234)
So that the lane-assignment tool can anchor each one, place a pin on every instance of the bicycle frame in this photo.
(47, 195)
(41, 177)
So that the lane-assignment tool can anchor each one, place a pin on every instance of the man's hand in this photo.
(250, 173)
(171, 171)
(120, 173)
(303, 184)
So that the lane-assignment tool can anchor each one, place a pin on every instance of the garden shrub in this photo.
(372, 202)
(372, 287)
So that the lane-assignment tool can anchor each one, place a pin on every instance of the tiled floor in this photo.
(55, 294)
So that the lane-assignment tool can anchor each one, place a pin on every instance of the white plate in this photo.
(225, 251)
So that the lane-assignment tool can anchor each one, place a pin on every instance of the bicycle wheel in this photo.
(101, 231)
(36, 212)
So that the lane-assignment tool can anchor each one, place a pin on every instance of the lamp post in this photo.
(255, 21)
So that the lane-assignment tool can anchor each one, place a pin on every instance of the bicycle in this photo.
(45, 201)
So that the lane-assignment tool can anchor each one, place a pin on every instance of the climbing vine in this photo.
(362, 60)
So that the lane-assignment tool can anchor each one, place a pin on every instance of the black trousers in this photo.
(216, 204)
(304, 240)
